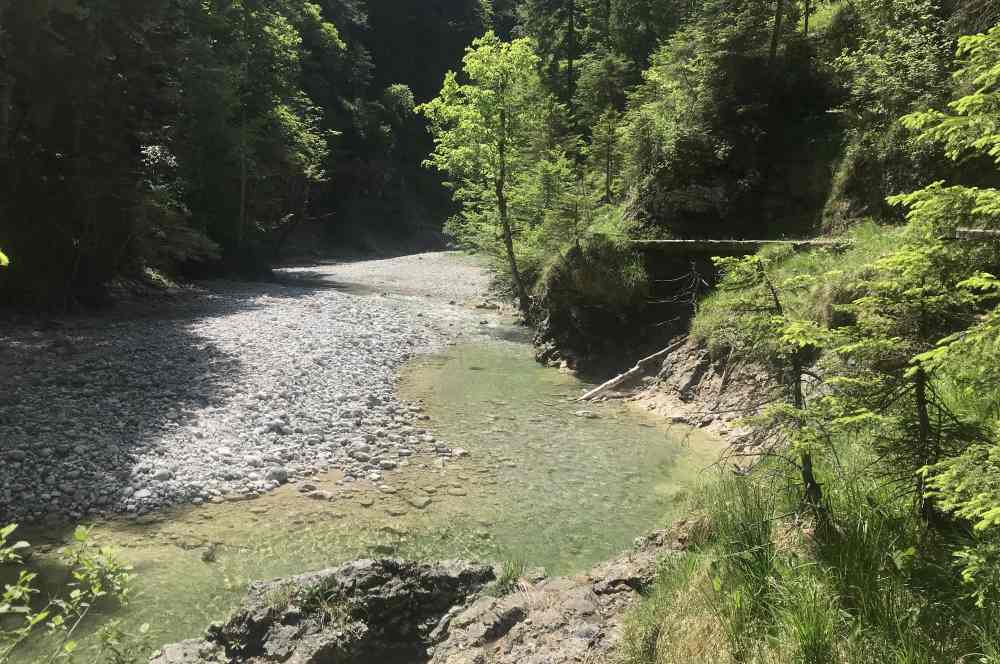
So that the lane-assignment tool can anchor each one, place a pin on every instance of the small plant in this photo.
(282, 596)
(322, 600)
(96, 575)
(507, 580)
(332, 612)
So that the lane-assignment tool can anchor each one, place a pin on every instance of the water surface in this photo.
(543, 483)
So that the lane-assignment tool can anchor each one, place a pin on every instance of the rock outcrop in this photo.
(388, 611)
(561, 620)
(364, 611)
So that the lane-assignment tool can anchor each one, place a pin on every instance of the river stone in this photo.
(420, 502)
(277, 474)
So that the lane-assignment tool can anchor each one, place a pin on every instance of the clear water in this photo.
(541, 484)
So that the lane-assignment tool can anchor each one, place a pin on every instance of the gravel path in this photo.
(228, 391)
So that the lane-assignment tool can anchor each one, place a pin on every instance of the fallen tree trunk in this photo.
(631, 373)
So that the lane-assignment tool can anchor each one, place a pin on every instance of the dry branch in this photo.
(631, 373)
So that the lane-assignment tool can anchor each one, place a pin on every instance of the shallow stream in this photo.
(543, 483)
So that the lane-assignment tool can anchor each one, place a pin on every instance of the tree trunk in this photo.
(808, 10)
(927, 456)
(609, 161)
(6, 93)
(813, 491)
(779, 15)
(571, 58)
(607, 16)
(508, 236)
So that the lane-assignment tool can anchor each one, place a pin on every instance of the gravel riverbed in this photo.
(227, 390)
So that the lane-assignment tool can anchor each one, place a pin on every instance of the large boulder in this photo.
(363, 611)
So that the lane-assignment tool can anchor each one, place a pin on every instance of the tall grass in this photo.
(865, 582)
(768, 586)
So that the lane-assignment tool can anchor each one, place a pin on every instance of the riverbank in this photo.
(229, 391)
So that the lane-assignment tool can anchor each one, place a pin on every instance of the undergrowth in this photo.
(814, 283)
(769, 583)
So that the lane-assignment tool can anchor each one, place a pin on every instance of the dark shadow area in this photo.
(86, 396)
(319, 280)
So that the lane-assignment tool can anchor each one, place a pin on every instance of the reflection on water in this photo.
(543, 483)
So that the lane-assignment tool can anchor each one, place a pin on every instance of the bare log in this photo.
(631, 373)
(985, 234)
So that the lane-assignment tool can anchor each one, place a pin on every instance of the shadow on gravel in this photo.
(319, 280)
(85, 397)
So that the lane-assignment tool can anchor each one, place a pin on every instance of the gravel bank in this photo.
(227, 392)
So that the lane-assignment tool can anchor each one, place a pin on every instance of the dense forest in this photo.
(197, 137)
(193, 137)
(188, 138)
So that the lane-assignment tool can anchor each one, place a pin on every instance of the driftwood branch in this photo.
(975, 235)
(631, 373)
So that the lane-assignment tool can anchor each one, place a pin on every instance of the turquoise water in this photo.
(542, 484)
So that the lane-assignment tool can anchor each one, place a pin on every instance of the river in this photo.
(546, 482)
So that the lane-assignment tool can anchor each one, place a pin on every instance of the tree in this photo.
(764, 330)
(899, 64)
(556, 26)
(486, 133)
(603, 150)
(965, 483)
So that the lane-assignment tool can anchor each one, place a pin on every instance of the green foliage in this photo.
(714, 119)
(486, 131)
(813, 284)
(905, 420)
(508, 579)
(899, 62)
(4, 261)
(95, 576)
